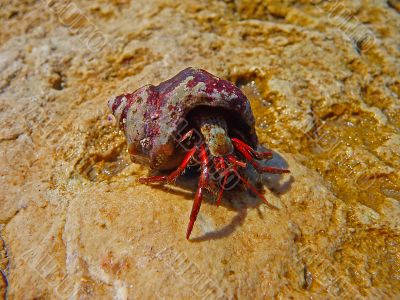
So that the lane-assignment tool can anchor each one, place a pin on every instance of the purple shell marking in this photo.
(152, 115)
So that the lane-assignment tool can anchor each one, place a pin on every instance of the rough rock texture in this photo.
(323, 80)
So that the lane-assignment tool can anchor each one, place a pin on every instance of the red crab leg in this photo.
(186, 135)
(256, 165)
(253, 189)
(236, 162)
(220, 165)
(221, 191)
(258, 155)
(200, 188)
(218, 161)
(175, 174)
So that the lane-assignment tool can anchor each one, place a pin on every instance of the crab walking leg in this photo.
(186, 135)
(221, 191)
(220, 165)
(200, 189)
(253, 189)
(258, 155)
(256, 165)
(218, 161)
(175, 174)
(236, 162)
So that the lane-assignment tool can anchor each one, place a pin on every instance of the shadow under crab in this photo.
(237, 197)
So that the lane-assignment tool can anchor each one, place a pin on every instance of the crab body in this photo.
(194, 116)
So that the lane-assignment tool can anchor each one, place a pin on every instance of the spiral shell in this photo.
(154, 117)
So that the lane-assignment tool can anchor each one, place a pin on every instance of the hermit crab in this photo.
(193, 118)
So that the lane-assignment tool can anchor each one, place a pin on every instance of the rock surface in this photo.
(323, 80)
